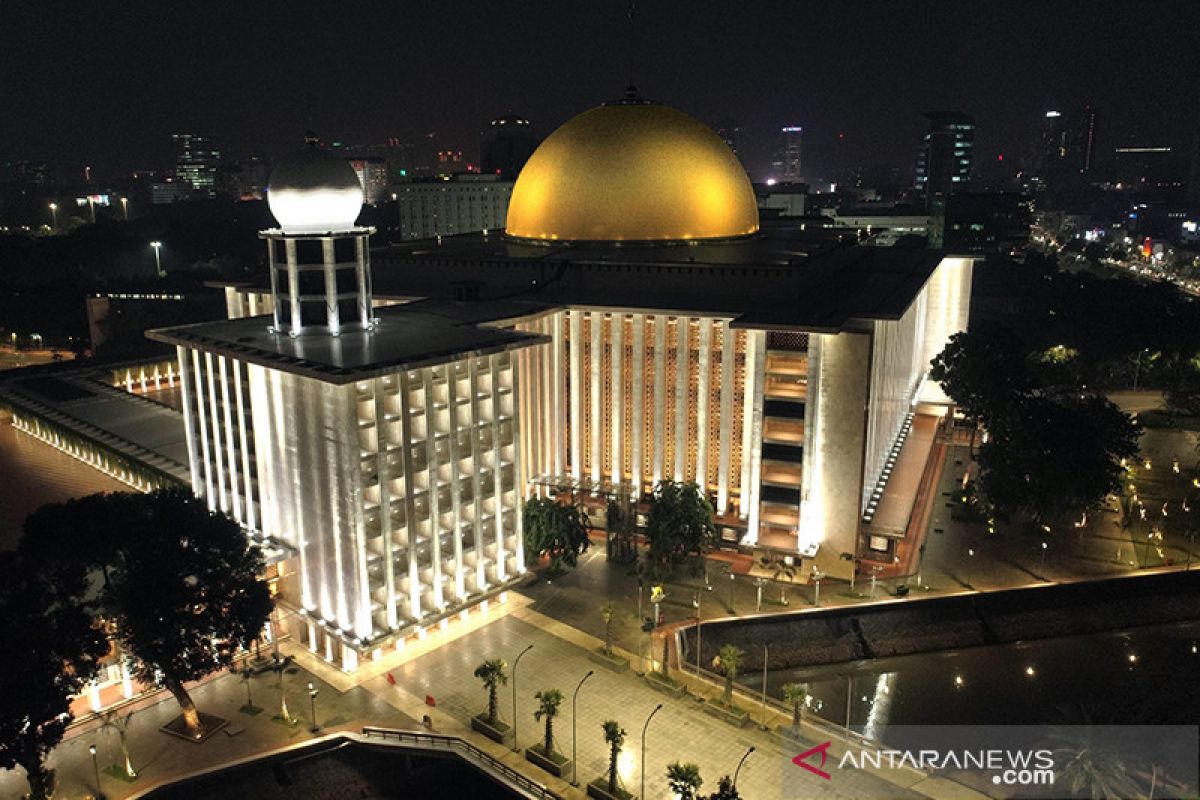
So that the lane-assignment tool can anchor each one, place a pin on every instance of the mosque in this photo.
(381, 414)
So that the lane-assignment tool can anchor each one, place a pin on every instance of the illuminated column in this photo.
(218, 456)
(387, 545)
(748, 388)
(333, 314)
(230, 448)
(596, 319)
(407, 387)
(519, 524)
(727, 432)
(617, 395)
(273, 267)
(576, 421)
(435, 511)
(660, 400)
(456, 516)
(637, 423)
(682, 359)
(293, 273)
(558, 388)
(702, 391)
(498, 474)
(189, 421)
(362, 273)
(756, 364)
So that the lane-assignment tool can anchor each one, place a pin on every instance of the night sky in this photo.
(106, 83)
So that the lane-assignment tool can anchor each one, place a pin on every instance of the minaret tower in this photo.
(319, 259)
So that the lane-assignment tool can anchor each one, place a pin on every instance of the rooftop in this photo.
(791, 276)
(406, 336)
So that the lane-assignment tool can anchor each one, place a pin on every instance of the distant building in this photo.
(169, 190)
(782, 199)
(731, 134)
(507, 145)
(786, 166)
(944, 161)
(373, 175)
(980, 222)
(463, 204)
(1141, 164)
(1068, 146)
(196, 162)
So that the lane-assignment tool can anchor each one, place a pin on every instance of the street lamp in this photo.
(816, 576)
(125, 208)
(732, 578)
(54, 215)
(699, 630)
(96, 771)
(1044, 546)
(517, 661)
(157, 247)
(739, 766)
(574, 717)
(657, 708)
(970, 563)
(312, 699)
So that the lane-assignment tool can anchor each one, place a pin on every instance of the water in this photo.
(33, 474)
(1144, 675)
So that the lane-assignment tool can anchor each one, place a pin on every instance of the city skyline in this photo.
(117, 106)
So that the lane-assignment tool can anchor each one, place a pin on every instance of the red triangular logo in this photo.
(822, 749)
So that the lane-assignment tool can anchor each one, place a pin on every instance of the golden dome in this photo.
(632, 171)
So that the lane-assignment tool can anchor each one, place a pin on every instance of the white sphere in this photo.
(313, 192)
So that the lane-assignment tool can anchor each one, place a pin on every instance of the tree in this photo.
(1054, 458)
(548, 702)
(614, 735)
(53, 648)
(684, 780)
(680, 523)
(492, 674)
(779, 569)
(186, 593)
(725, 790)
(113, 719)
(558, 530)
(982, 371)
(606, 612)
(795, 694)
(728, 659)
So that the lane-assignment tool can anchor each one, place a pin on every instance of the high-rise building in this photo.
(507, 145)
(786, 166)
(944, 160)
(1068, 146)
(447, 207)
(731, 134)
(196, 162)
(372, 173)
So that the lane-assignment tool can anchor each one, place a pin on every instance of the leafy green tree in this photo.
(186, 593)
(1055, 458)
(795, 694)
(548, 702)
(684, 780)
(614, 735)
(729, 659)
(53, 648)
(492, 674)
(680, 524)
(558, 530)
(983, 371)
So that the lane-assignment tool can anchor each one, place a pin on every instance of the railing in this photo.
(441, 741)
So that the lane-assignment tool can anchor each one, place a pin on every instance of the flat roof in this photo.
(406, 337)
(793, 275)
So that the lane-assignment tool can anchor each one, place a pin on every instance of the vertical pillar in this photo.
(597, 416)
(273, 266)
(616, 345)
(682, 362)
(576, 379)
(410, 510)
(702, 391)
(660, 400)
(362, 273)
(289, 247)
(333, 314)
(637, 417)
(748, 389)
(756, 366)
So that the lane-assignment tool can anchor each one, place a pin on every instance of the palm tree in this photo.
(684, 780)
(729, 659)
(779, 568)
(492, 674)
(614, 734)
(606, 612)
(548, 702)
(1089, 766)
(795, 694)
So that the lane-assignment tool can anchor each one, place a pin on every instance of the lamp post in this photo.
(732, 578)
(125, 208)
(574, 717)
(739, 766)
(54, 215)
(764, 686)
(157, 247)
(1044, 546)
(516, 661)
(970, 564)
(312, 699)
(657, 708)
(816, 576)
(699, 629)
(96, 771)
